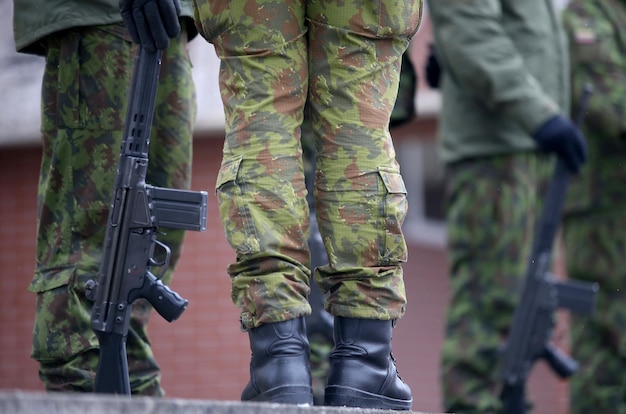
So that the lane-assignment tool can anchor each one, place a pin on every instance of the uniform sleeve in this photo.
(477, 53)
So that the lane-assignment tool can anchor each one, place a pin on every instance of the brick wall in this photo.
(18, 179)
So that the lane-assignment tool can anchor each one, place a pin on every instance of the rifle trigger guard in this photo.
(164, 264)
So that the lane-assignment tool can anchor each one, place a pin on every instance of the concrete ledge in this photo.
(23, 402)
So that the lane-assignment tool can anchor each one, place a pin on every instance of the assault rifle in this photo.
(137, 212)
(528, 339)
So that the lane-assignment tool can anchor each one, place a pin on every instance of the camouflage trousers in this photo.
(85, 87)
(595, 244)
(344, 60)
(492, 205)
(595, 250)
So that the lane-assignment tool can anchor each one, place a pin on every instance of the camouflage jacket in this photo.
(505, 72)
(597, 33)
(35, 19)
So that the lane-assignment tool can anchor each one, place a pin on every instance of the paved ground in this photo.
(21, 402)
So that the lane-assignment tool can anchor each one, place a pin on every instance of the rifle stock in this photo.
(136, 213)
(112, 371)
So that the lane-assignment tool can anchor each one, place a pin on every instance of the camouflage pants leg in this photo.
(272, 53)
(595, 244)
(85, 87)
(491, 209)
(360, 198)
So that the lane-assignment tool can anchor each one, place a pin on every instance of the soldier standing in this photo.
(505, 89)
(89, 64)
(595, 217)
(277, 56)
(343, 59)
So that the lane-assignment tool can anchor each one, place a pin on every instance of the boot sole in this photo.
(296, 395)
(339, 396)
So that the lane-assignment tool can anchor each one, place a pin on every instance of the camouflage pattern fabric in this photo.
(319, 322)
(344, 59)
(85, 88)
(492, 205)
(595, 251)
(595, 241)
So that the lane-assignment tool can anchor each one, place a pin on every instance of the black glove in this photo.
(404, 108)
(560, 136)
(151, 23)
(433, 69)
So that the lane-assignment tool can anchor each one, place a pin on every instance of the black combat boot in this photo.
(362, 369)
(279, 369)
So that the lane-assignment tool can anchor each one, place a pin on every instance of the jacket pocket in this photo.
(93, 70)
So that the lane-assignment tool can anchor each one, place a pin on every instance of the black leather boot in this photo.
(279, 368)
(362, 369)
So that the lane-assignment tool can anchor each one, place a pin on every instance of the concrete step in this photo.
(25, 402)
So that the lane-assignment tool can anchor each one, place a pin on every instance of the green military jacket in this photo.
(35, 19)
(505, 72)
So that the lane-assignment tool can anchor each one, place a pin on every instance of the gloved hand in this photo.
(560, 136)
(432, 69)
(151, 23)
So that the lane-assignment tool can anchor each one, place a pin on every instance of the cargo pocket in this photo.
(392, 214)
(93, 68)
(62, 327)
(236, 218)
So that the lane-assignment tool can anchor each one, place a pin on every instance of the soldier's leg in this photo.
(82, 121)
(491, 205)
(360, 198)
(260, 187)
(595, 251)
